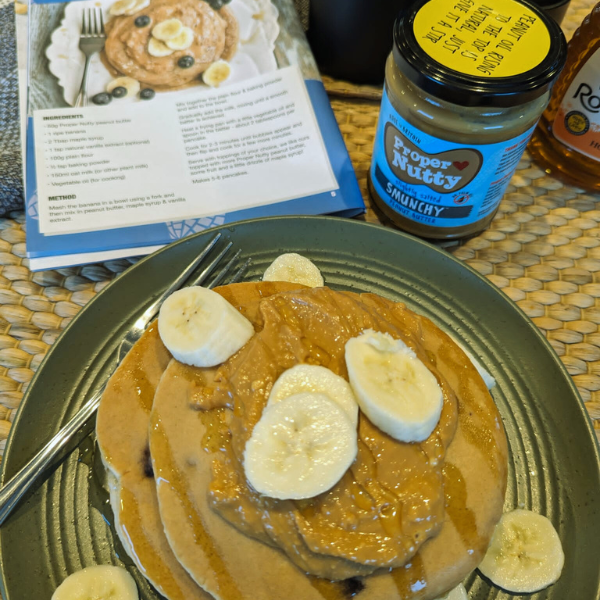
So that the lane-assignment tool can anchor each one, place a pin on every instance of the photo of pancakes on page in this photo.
(406, 521)
(184, 47)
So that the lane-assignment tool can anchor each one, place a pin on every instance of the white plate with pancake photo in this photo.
(362, 417)
(182, 46)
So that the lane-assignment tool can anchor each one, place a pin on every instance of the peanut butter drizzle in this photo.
(147, 555)
(477, 421)
(389, 502)
(145, 389)
(411, 578)
(227, 589)
(455, 491)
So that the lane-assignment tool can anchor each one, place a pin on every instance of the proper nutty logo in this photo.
(444, 172)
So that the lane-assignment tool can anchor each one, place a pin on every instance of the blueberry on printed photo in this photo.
(185, 62)
(142, 21)
(102, 98)
(119, 92)
(218, 4)
(147, 94)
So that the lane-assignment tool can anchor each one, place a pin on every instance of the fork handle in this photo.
(12, 492)
(82, 97)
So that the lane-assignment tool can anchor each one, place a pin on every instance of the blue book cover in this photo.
(176, 135)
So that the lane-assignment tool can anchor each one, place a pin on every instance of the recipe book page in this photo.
(247, 145)
(229, 122)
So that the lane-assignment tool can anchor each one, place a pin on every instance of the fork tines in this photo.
(92, 23)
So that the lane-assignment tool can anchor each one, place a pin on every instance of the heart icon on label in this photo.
(460, 165)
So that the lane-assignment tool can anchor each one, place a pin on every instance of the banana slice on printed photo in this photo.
(200, 328)
(300, 447)
(101, 582)
(217, 73)
(120, 7)
(315, 379)
(393, 387)
(458, 593)
(167, 30)
(158, 49)
(294, 268)
(182, 41)
(525, 554)
(132, 86)
(139, 5)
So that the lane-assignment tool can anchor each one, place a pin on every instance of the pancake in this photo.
(122, 435)
(237, 552)
(216, 36)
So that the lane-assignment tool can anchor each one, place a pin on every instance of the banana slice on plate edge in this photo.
(525, 554)
(294, 268)
(99, 581)
(200, 328)
(300, 447)
(458, 593)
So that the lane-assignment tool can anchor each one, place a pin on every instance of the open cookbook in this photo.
(196, 113)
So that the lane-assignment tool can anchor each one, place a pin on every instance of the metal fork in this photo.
(91, 40)
(12, 491)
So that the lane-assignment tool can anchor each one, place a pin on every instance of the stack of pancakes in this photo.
(407, 521)
(216, 36)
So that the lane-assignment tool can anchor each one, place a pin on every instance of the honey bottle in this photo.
(566, 142)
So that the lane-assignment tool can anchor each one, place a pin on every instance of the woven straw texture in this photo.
(542, 250)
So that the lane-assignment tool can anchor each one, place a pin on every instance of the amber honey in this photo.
(566, 142)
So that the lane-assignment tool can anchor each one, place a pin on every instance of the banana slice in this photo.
(131, 85)
(167, 30)
(120, 7)
(312, 378)
(200, 328)
(158, 48)
(393, 387)
(300, 447)
(102, 582)
(182, 41)
(139, 4)
(216, 74)
(525, 554)
(294, 268)
(458, 593)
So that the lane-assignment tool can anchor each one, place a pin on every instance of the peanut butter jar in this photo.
(465, 85)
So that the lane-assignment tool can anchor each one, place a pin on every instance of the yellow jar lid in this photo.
(479, 52)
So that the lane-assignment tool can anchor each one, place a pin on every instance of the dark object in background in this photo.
(351, 39)
(554, 9)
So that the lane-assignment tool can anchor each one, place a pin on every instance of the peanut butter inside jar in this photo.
(465, 85)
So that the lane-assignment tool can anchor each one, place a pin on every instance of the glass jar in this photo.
(458, 109)
(566, 141)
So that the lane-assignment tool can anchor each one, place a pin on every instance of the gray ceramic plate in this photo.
(554, 460)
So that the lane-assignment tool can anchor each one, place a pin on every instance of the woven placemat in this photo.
(542, 250)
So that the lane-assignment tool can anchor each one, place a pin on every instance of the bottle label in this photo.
(577, 122)
(436, 182)
(498, 38)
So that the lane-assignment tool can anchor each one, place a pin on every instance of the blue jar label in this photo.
(436, 182)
